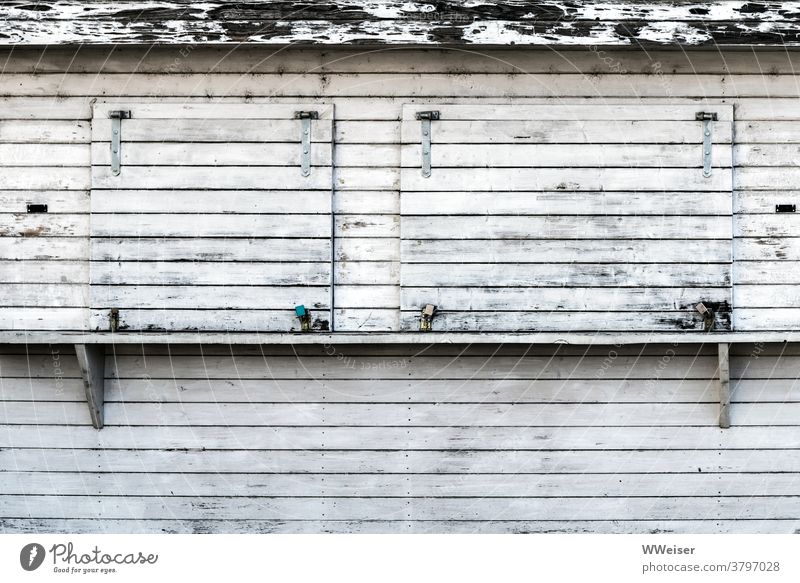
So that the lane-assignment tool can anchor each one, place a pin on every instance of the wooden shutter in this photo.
(566, 217)
(210, 224)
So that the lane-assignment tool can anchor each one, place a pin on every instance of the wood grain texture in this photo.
(524, 203)
(346, 22)
(381, 439)
(266, 197)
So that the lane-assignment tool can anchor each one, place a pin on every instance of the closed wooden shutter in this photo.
(566, 217)
(210, 223)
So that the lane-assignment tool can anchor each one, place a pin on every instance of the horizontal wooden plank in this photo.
(210, 297)
(566, 274)
(765, 178)
(57, 201)
(554, 321)
(479, 508)
(767, 249)
(564, 131)
(462, 251)
(176, 200)
(43, 154)
(324, 87)
(412, 391)
(213, 130)
(410, 367)
(547, 440)
(314, 224)
(767, 272)
(568, 202)
(44, 248)
(131, 59)
(210, 273)
(220, 319)
(569, 179)
(600, 111)
(641, 299)
(513, 155)
(596, 227)
(42, 271)
(244, 486)
(205, 154)
(239, 249)
(44, 295)
(45, 178)
(305, 226)
(773, 318)
(649, 24)
(447, 462)
(43, 225)
(52, 318)
(212, 177)
(250, 526)
(45, 132)
(203, 113)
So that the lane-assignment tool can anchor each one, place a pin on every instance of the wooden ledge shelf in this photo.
(575, 338)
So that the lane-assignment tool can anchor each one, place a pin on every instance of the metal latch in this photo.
(708, 316)
(785, 208)
(113, 319)
(706, 117)
(426, 318)
(116, 138)
(305, 118)
(304, 316)
(426, 117)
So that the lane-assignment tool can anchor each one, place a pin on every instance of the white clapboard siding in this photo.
(202, 175)
(43, 255)
(372, 439)
(504, 179)
(46, 123)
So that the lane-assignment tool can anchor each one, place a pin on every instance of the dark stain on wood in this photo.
(512, 22)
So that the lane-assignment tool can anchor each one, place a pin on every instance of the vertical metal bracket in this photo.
(706, 117)
(426, 318)
(305, 118)
(116, 138)
(426, 117)
(723, 355)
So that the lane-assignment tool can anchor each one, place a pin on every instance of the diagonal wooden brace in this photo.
(92, 359)
(724, 385)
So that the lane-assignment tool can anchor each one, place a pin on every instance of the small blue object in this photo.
(300, 311)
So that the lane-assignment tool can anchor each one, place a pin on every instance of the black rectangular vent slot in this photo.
(37, 208)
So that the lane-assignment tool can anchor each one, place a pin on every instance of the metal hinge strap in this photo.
(706, 117)
(426, 117)
(116, 138)
(305, 118)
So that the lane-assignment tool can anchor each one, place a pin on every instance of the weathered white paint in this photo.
(508, 295)
(280, 439)
(400, 22)
(266, 303)
(51, 111)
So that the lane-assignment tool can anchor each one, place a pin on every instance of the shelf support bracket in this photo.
(92, 359)
(723, 355)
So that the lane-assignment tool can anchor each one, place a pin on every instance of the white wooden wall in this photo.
(211, 223)
(45, 135)
(398, 439)
(531, 216)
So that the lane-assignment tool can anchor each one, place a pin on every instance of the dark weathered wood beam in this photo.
(91, 359)
(723, 354)
(398, 22)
